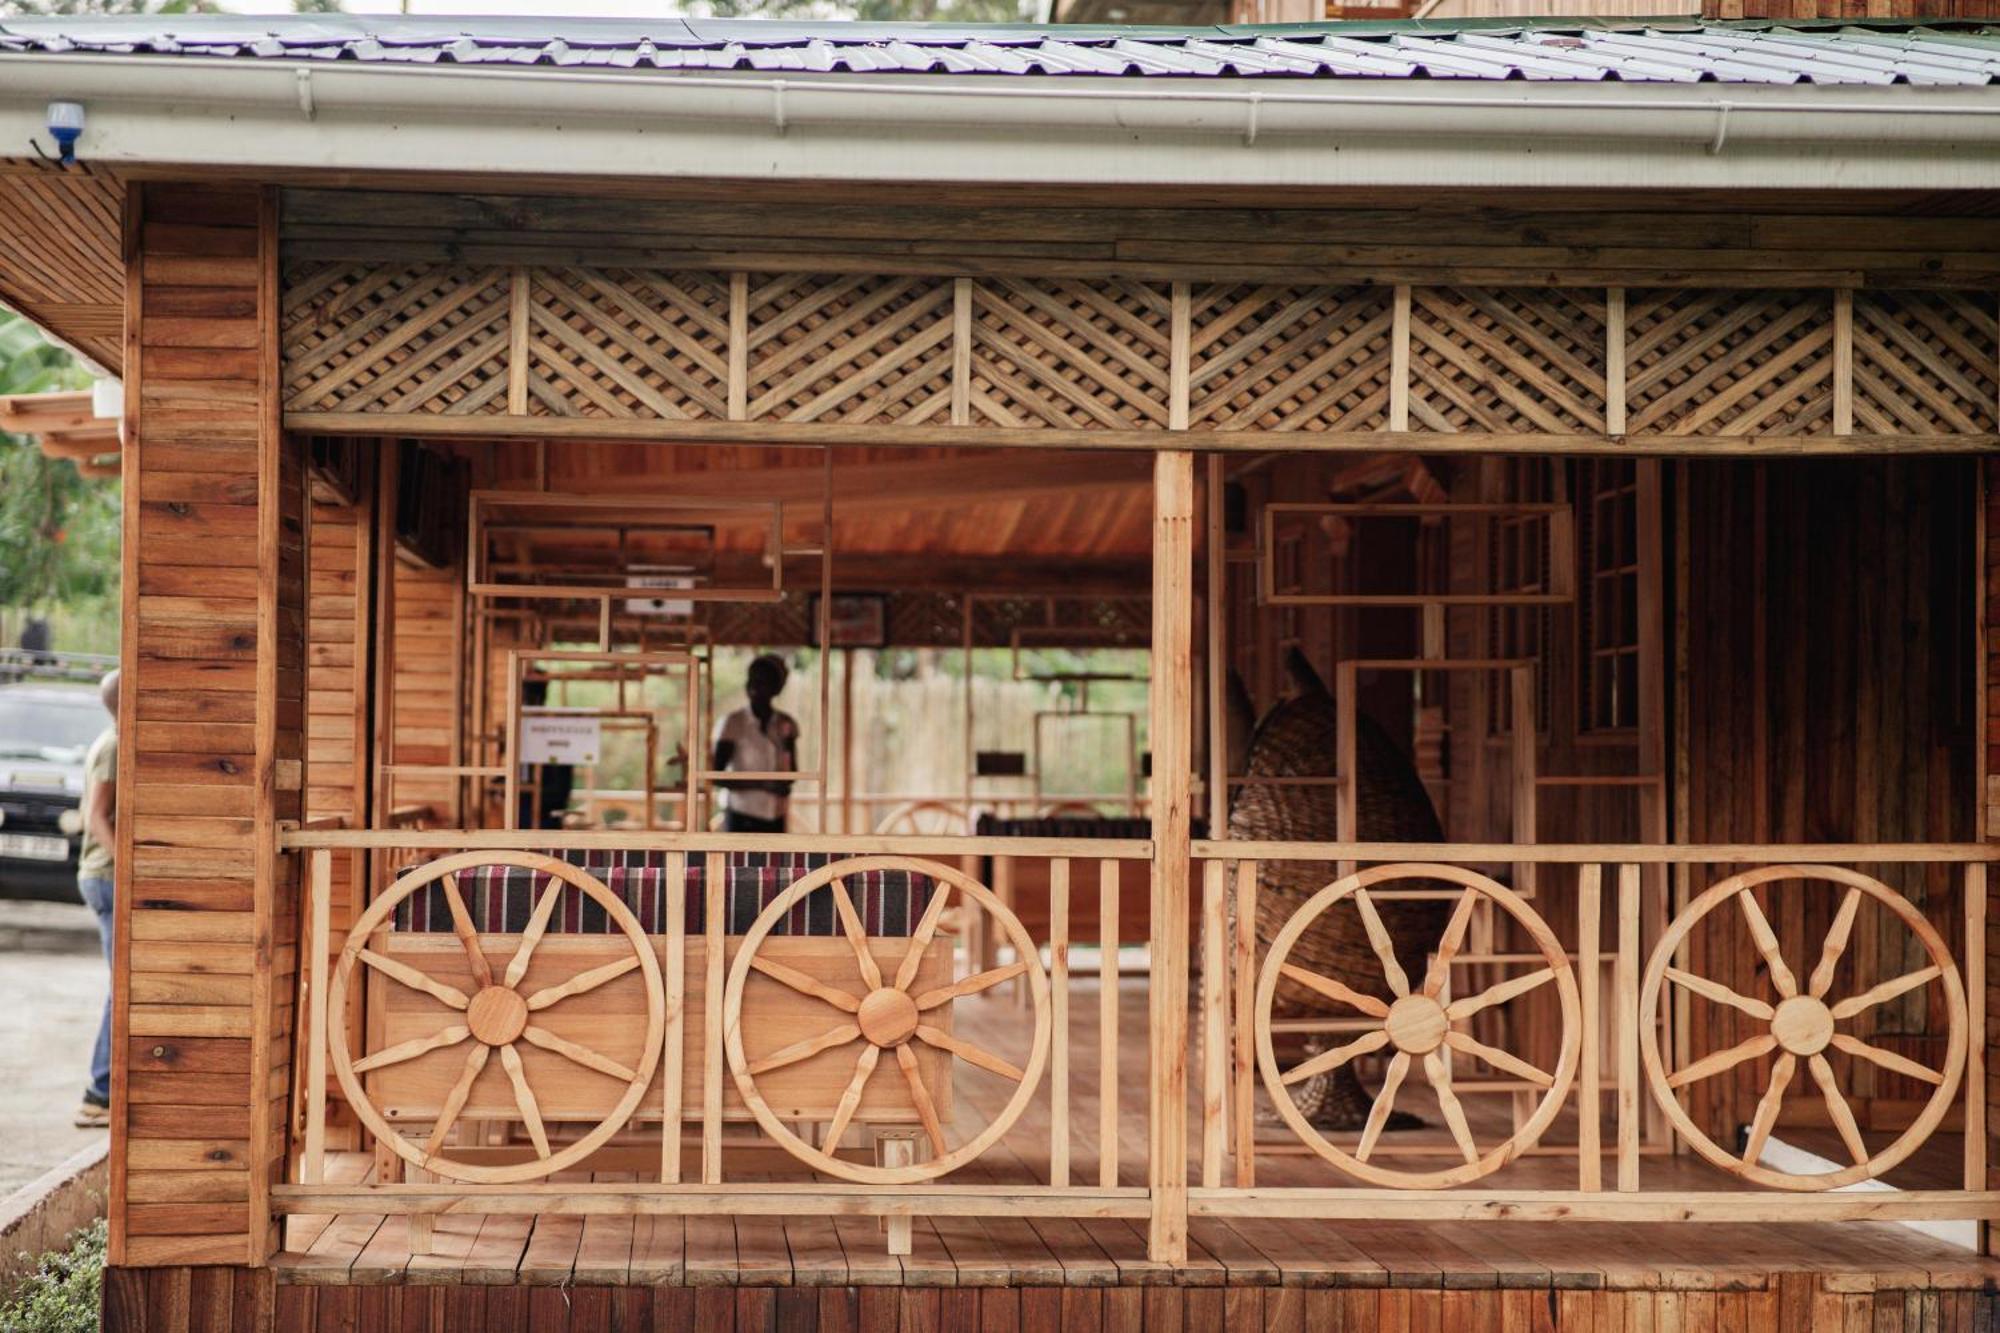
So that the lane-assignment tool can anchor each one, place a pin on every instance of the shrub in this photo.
(62, 1294)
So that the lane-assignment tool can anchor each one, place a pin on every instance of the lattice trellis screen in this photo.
(657, 349)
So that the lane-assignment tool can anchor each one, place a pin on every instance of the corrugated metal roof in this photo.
(1960, 54)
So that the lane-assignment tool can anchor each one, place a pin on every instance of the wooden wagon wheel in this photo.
(887, 1016)
(1418, 1025)
(911, 819)
(1801, 1026)
(1070, 810)
(495, 1018)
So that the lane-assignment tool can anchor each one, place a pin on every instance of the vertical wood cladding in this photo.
(1831, 699)
(211, 722)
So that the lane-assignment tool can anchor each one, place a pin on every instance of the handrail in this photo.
(1647, 853)
(1084, 849)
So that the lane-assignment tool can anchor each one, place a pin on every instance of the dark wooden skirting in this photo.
(174, 1300)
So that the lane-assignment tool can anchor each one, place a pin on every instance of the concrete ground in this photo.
(52, 986)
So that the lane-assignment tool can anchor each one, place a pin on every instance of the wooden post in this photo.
(319, 911)
(1975, 1036)
(1243, 967)
(711, 1020)
(1628, 1028)
(896, 1148)
(1214, 1023)
(1059, 1021)
(1843, 361)
(1589, 941)
(1171, 671)
(1107, 1024)
(674, 1048)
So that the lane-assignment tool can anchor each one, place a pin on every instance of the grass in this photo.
(63, 1293)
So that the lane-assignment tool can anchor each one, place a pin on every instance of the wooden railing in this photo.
(600, 1047)
(1294, 951)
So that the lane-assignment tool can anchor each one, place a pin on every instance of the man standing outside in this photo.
(93, 884)
(757, 738)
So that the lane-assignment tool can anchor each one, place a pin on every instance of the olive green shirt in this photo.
(100, 767)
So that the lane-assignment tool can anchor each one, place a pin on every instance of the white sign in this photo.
(559, 738)
(678, 607)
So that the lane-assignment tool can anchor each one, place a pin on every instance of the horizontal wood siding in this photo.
(212, 717)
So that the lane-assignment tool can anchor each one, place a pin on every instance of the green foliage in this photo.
(59, 531)
(58, 8)
(63, 1294)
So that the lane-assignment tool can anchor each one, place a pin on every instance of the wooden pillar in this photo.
(211, 724)
(1173, 757)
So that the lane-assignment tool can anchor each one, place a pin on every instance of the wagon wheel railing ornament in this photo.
(923, 818)
(891, 1015)
(1802, 1026)
(496, 1017)
(1418, 1025)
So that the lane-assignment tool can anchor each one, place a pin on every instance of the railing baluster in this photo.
(1107, 1024)
(711, 1021)
(1628, 1028)
(1243, 967)
(1059, 1021)
(1589, 943)
(1214, 1024)
(319, 908)
(1975, 1028)
(674, 1047)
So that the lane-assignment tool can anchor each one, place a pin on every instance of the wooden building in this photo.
(1565, 444)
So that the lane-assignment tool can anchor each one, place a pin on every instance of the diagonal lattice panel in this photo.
(1924, 363)
(628, 343)
(1265, 357)
(1729, 362)
(1507, 359)
(1082, 354)
(428, 339)
(855, 348)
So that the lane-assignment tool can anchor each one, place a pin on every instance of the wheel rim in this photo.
(880, 1023)
(1418, 1025)
(496, 1016)
(1803, 1025)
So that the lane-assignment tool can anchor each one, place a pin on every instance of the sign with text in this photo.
(559, 738)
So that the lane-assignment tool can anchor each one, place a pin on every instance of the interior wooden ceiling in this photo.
(60, 254)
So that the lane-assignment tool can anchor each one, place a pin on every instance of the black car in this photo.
(45, 731)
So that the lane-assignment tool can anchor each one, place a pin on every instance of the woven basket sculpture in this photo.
(1297, 738)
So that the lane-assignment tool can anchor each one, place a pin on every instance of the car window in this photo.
(48, 729)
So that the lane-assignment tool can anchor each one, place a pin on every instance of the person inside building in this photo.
(757, 738)
(94, 886)
(545, 788)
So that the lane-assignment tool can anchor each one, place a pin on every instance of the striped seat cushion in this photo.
(500, 898)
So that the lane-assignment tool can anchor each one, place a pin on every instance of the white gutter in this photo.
(351, 116)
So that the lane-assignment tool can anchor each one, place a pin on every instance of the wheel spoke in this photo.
(1498, 993)
(582, 982)
(1499, 1059)
(1886, 991)
(1339, 1055)
(850, 920)
(1838, 1109)
(524, 1097)
(454, 1101)
(1385, 947)
(805, 1050)
(1767, 944)
(1835, 946)
(1454, 1113)
(411, 1049)
(1385, 1102)
(971, 985)
(1450, 943)
(468, 938)
(545, 907)
(1714, 1063)
(805, 985)
(1721, 994)
(966, 1051)
(1761, 1124)
(415, 980)
(1903, 1065)
(1334, 990)
(850, 1099)
(582, 1055)
(921, 939)
(926, 1111)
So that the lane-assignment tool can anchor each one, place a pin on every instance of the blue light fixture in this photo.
(66, 127)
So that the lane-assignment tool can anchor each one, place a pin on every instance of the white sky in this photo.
(567, 8)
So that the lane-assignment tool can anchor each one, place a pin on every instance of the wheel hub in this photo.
(1802, 1025)
(888, 1017)
(1417, 1024)
(497, 1015)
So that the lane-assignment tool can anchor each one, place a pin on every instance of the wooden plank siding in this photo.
(212, 719)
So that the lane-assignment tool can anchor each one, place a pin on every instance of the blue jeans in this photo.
(96, 891)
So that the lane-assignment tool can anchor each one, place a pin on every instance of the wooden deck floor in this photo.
(1703, 1267)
